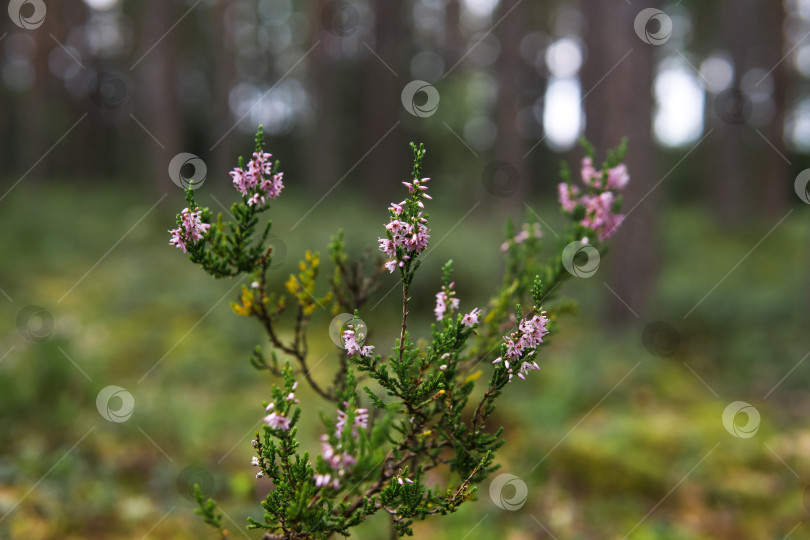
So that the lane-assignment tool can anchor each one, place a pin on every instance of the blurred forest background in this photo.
(702, 301)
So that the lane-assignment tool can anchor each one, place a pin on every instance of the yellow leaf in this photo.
(472, 376)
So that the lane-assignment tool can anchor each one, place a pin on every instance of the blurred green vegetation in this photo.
(608, 437)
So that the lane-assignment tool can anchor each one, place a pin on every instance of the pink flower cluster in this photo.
(339, 462)
(600, 200)
(522, 344)
(526, 232)
(351, 345)
(191, 229)
(360, 421)
(279, 420)
(252, 182)
(445, 299)
(407, 233)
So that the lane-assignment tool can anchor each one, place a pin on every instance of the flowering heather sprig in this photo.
(597, 208)
(421, 394)
(360, 420)
(407, 234)
(527, 231)
(520, 347)
(445, 299)
(190, 229)
(260, 180)
(351, 345)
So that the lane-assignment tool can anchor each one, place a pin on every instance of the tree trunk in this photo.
(620, 105)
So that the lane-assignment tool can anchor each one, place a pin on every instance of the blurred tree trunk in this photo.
(731, 175)
(454, 42)
(381, 106)
(158, 75)
(325, 96)
(621, 105)
(224, 76)
(775, 183)
(509, 145)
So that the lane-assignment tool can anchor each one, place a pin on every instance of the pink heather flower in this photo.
(340, 462)
(352, 347)
(618, 177)
(567, 196)
(360, 421)
(252, 183)
(401, 481)
(599, 214)
(275, 420)
(191, 229)
(471, 318)
(590, 176)
(406, 229)
(445, 300)
(522, 344)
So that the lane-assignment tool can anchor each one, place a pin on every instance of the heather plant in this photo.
(422, 405)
